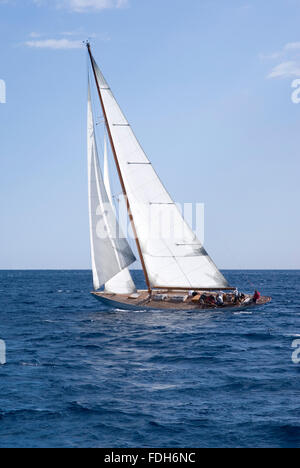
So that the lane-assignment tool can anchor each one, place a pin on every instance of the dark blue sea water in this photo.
(81, 375)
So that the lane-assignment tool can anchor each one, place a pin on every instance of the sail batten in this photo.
(177, 259)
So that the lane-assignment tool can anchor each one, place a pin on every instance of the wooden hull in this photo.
(143, 302)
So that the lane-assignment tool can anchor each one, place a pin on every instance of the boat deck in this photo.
(162, 300)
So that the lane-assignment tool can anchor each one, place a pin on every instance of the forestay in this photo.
(174, 257)
(110, 251)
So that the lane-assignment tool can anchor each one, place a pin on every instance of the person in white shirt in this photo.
(220, 299)
(236, 295)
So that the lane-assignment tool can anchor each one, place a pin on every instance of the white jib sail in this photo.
(175, 260)
(122, 283)
(110, 251)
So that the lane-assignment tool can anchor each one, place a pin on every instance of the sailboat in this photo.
(178, 271)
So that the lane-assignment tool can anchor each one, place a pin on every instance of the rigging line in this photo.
(100, 122)
(250, 282)
(127, 201)
(120, 173)
(96, 125)
(112, 181)
(122, 183)
(96, 158)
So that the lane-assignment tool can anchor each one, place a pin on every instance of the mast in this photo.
(120, 174)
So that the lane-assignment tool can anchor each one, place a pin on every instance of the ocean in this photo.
(79, 374)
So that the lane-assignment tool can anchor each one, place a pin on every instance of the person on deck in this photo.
(256, 296)
(236, 296)
(211, 300)
(220, 300)
(203, 299)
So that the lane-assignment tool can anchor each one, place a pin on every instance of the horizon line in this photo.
(139, 269)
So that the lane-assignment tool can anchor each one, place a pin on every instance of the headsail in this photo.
(122, 283)
(111, 252)
(175, 261)
(106, 176)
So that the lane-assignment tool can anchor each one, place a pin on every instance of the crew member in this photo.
(220, 300)
(256, 296)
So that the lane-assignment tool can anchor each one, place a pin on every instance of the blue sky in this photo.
(207, 86)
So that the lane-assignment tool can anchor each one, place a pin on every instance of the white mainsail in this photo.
(110, 251)
(178, 260)
(122, 283)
